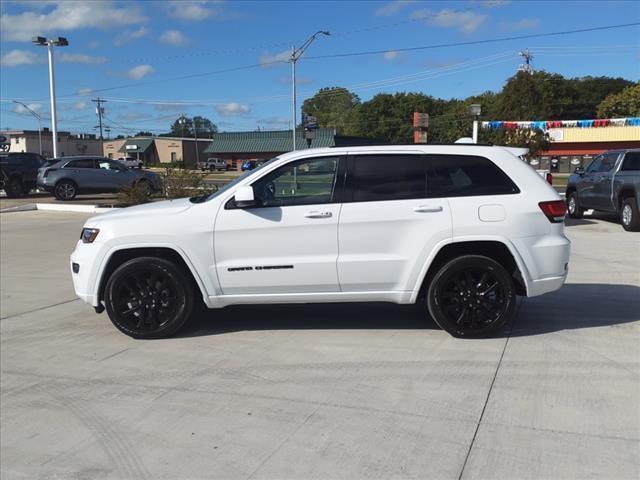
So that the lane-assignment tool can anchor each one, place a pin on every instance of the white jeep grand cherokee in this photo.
(465, 227)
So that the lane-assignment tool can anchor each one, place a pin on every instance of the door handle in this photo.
(428, 209)
(315, 214)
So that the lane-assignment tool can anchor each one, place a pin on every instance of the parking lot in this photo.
(319, 391)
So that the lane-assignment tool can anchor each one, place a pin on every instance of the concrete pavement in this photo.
(320, 391)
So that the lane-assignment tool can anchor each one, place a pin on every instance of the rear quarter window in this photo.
(467, 175)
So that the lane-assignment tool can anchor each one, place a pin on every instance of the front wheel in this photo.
(629, 216)
(471, 296)
(573, 206)
(65, 190)
(148, 297)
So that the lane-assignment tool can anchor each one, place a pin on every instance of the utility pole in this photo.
(100, 112)
(528, 58)
(295, 56)
(195, 133)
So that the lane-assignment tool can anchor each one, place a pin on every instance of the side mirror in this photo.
(244, 197)
(579, 171)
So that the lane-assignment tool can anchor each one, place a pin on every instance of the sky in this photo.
(227, 60)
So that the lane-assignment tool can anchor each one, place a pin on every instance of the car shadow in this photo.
(575, 306)
(592, 219)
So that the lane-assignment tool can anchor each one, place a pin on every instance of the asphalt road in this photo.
(319, 391)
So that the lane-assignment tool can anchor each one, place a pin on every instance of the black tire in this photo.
(13, 188)
(471, 296)
(27, 187)
(629, 216)
(574, 209)
(148, 297)
(65, 190)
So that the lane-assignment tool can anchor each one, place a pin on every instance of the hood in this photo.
(164, 208)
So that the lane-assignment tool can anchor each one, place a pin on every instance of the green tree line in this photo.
(538, 96)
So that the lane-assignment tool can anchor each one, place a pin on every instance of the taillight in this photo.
(550, 178)
(554, 210)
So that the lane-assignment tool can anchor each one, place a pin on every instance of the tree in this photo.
(332, 107)
(522, 99)
(623, 104)
(592, 91)
(534, 140)
(143, 134)
(205, 127)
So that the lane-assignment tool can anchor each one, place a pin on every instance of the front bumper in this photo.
(84, 259)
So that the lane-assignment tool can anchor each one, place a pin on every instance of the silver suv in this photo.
(73, 175)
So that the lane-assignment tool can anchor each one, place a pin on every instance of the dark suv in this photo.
(611, 183)
(19, 172)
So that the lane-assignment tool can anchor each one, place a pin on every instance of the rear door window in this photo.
(83, 163)
(467, 175)
(388, 177)
(631, 161)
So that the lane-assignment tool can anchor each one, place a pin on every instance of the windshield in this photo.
(226, 187)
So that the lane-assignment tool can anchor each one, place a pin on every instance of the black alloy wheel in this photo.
(66, 190)
(471, 296)
(148, 297)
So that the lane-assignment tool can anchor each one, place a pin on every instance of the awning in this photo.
(136, 145)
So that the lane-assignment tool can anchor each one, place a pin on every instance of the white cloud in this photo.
(85, 91)
(136, 73)
(80, 58)
(80, 105)
(33, 106)
(67, 16)
(523, 24)
(495, 3)
(174, 37)
(193, 10)
(267, 60)
(465, 21)
(393, 7)
(129, 35)
(20, 57)
(390, 55)
(232, 109)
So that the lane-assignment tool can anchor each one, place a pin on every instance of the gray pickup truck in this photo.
(611, 183)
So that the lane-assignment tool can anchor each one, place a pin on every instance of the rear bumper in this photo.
(547, 260)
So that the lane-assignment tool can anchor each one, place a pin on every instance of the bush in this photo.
(135, 195)
(179, 183)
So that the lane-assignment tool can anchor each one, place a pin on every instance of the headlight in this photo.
(88, 235)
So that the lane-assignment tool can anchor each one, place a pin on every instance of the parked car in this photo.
(73, 175)
(131, 162)
(611, 183)
(248, 165)
(468, 228)
(214, 164)
(19, 172)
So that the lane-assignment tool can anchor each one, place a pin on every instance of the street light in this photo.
(476, 110)
(39, 122)
(182, 120)
(49, 43)
(295, 55)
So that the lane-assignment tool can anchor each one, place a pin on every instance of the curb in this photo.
(54, 207)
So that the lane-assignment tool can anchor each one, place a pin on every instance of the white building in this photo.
(68, 144)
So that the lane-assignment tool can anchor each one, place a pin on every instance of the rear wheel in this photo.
(573, 206)
(13, 188)
(65, 190)
(145, 186)
(148, 297)
(629, 216)
(471, 296)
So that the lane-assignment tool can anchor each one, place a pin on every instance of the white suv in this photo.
(465, 227)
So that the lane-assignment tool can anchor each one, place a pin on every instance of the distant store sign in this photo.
(555, 134)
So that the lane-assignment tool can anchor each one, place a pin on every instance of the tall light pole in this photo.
(295, 56)
(476, 110)
(59, 42)
(39, 123)
(182, 120)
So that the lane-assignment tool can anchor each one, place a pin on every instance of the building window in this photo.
(173, 157)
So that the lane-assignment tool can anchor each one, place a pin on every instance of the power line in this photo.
(369, 52)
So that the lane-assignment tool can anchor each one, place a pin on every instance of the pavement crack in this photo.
(40, 309)
(486, 400)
